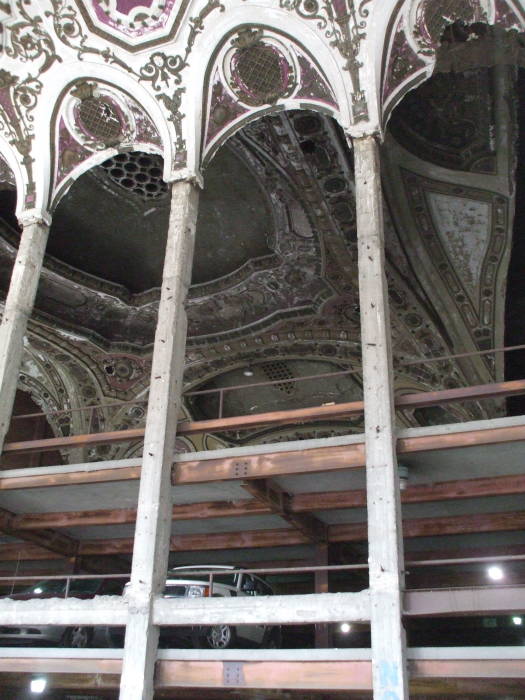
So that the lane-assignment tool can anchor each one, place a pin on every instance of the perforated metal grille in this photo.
(278, 370)
(137, 172)
(259, 70)
(100, 119)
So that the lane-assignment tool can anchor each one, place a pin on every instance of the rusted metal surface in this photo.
(299, 503)
(353, 532)
(279, 502)
(275, 418)
(322, 675)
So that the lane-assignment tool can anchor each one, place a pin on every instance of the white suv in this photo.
(226, 581)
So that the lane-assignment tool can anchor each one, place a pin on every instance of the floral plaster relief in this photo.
(454, 218)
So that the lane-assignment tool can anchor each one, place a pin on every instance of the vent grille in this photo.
(100, 119)
(278, 371)
(140, 173)
(259, 70)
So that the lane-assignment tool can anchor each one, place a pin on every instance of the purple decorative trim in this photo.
(402, 62)
(70, 153)
(157, 13)
(313, 85)
(146, 131)
(223, 110)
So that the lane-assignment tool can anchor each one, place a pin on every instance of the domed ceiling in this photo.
(122, 237)
(275, 272)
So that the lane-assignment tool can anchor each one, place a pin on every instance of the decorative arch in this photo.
(414, 36)
(92, 121)
(256, 71)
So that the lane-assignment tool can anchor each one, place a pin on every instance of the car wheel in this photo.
(220, 637)
(77, 637)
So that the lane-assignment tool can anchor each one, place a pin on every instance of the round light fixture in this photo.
(248, 372)
(517, 620)
(345, 627)
(38, 685)
(495, 573)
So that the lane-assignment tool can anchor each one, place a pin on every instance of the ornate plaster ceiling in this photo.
(278, 213)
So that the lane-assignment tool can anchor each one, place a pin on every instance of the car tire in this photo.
(77, 637)
(219, 637)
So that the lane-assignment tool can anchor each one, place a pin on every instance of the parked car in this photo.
(182, 582)
(194, 582)
(61, 635)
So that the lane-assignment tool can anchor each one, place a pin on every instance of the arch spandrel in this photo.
(414, 37)
(93, 121)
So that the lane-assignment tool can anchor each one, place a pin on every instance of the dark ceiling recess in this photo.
(113, 221)
(515, 300)
(283, 393)
(8, 208)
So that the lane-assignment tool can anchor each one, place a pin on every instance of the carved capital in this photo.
(34, 216)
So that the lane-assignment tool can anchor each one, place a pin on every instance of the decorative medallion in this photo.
(258, 71)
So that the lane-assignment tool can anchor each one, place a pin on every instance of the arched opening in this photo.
(28, 423)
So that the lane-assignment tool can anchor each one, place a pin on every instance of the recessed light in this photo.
(38, 685)
(345, 627)
(495, 573)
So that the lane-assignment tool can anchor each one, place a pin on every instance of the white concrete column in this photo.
(152, 530)
(385, 542)
(17, 311)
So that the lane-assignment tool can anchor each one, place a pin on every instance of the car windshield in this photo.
(58, 587)
(228, 579)
(46, 587)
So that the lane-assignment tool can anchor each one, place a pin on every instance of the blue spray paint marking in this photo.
(389, 676)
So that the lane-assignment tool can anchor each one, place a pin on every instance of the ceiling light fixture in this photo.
(517, 620)
(248, 372)
(402, 470)
(495, 573)
(345, 627)
(38, 685)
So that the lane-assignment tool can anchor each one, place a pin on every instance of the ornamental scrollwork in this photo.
(165, 72)
(161, 69)
(17, 102)
(29, 41)
(344, 25)
(70, 32)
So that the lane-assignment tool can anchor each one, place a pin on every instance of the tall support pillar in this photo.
(385, 541)
(17, 311)
(153, 525)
